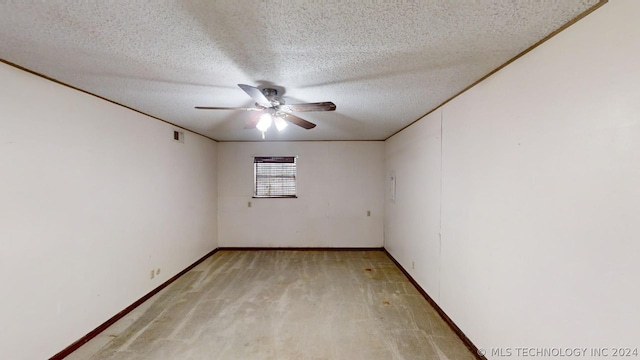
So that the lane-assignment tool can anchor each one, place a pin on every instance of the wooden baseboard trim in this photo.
(302, 248)
(73, 347)
(467, 342)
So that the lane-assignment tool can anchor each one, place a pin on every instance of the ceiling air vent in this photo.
(178, 136)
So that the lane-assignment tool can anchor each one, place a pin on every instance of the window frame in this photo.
(275, 160)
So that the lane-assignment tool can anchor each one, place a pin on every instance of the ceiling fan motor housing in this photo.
(272, 96)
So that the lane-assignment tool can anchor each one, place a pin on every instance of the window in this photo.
(274, 176)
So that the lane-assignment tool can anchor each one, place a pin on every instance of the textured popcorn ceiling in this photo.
(384, 63)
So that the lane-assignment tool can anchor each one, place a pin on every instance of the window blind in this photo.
(275, 176)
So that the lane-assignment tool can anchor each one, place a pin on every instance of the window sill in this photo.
(276, 197)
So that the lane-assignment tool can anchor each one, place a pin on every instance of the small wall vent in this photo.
(178, 136)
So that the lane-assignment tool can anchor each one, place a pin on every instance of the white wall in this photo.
(338, 182)
(540, 194)
(92, 197)
(412, 220)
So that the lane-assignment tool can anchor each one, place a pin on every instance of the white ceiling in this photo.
(384, 63)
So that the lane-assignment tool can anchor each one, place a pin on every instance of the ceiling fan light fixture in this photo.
(280, 123)
(274, 109)
(264, 123)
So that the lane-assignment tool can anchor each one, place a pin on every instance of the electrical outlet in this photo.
(153, 273)
(249, 204)
(158, 271)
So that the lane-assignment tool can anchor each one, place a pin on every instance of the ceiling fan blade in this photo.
(227, 108)
(298, 121)
(256, 95)
(319, 106)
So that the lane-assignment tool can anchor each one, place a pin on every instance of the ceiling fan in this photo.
(274, 109)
